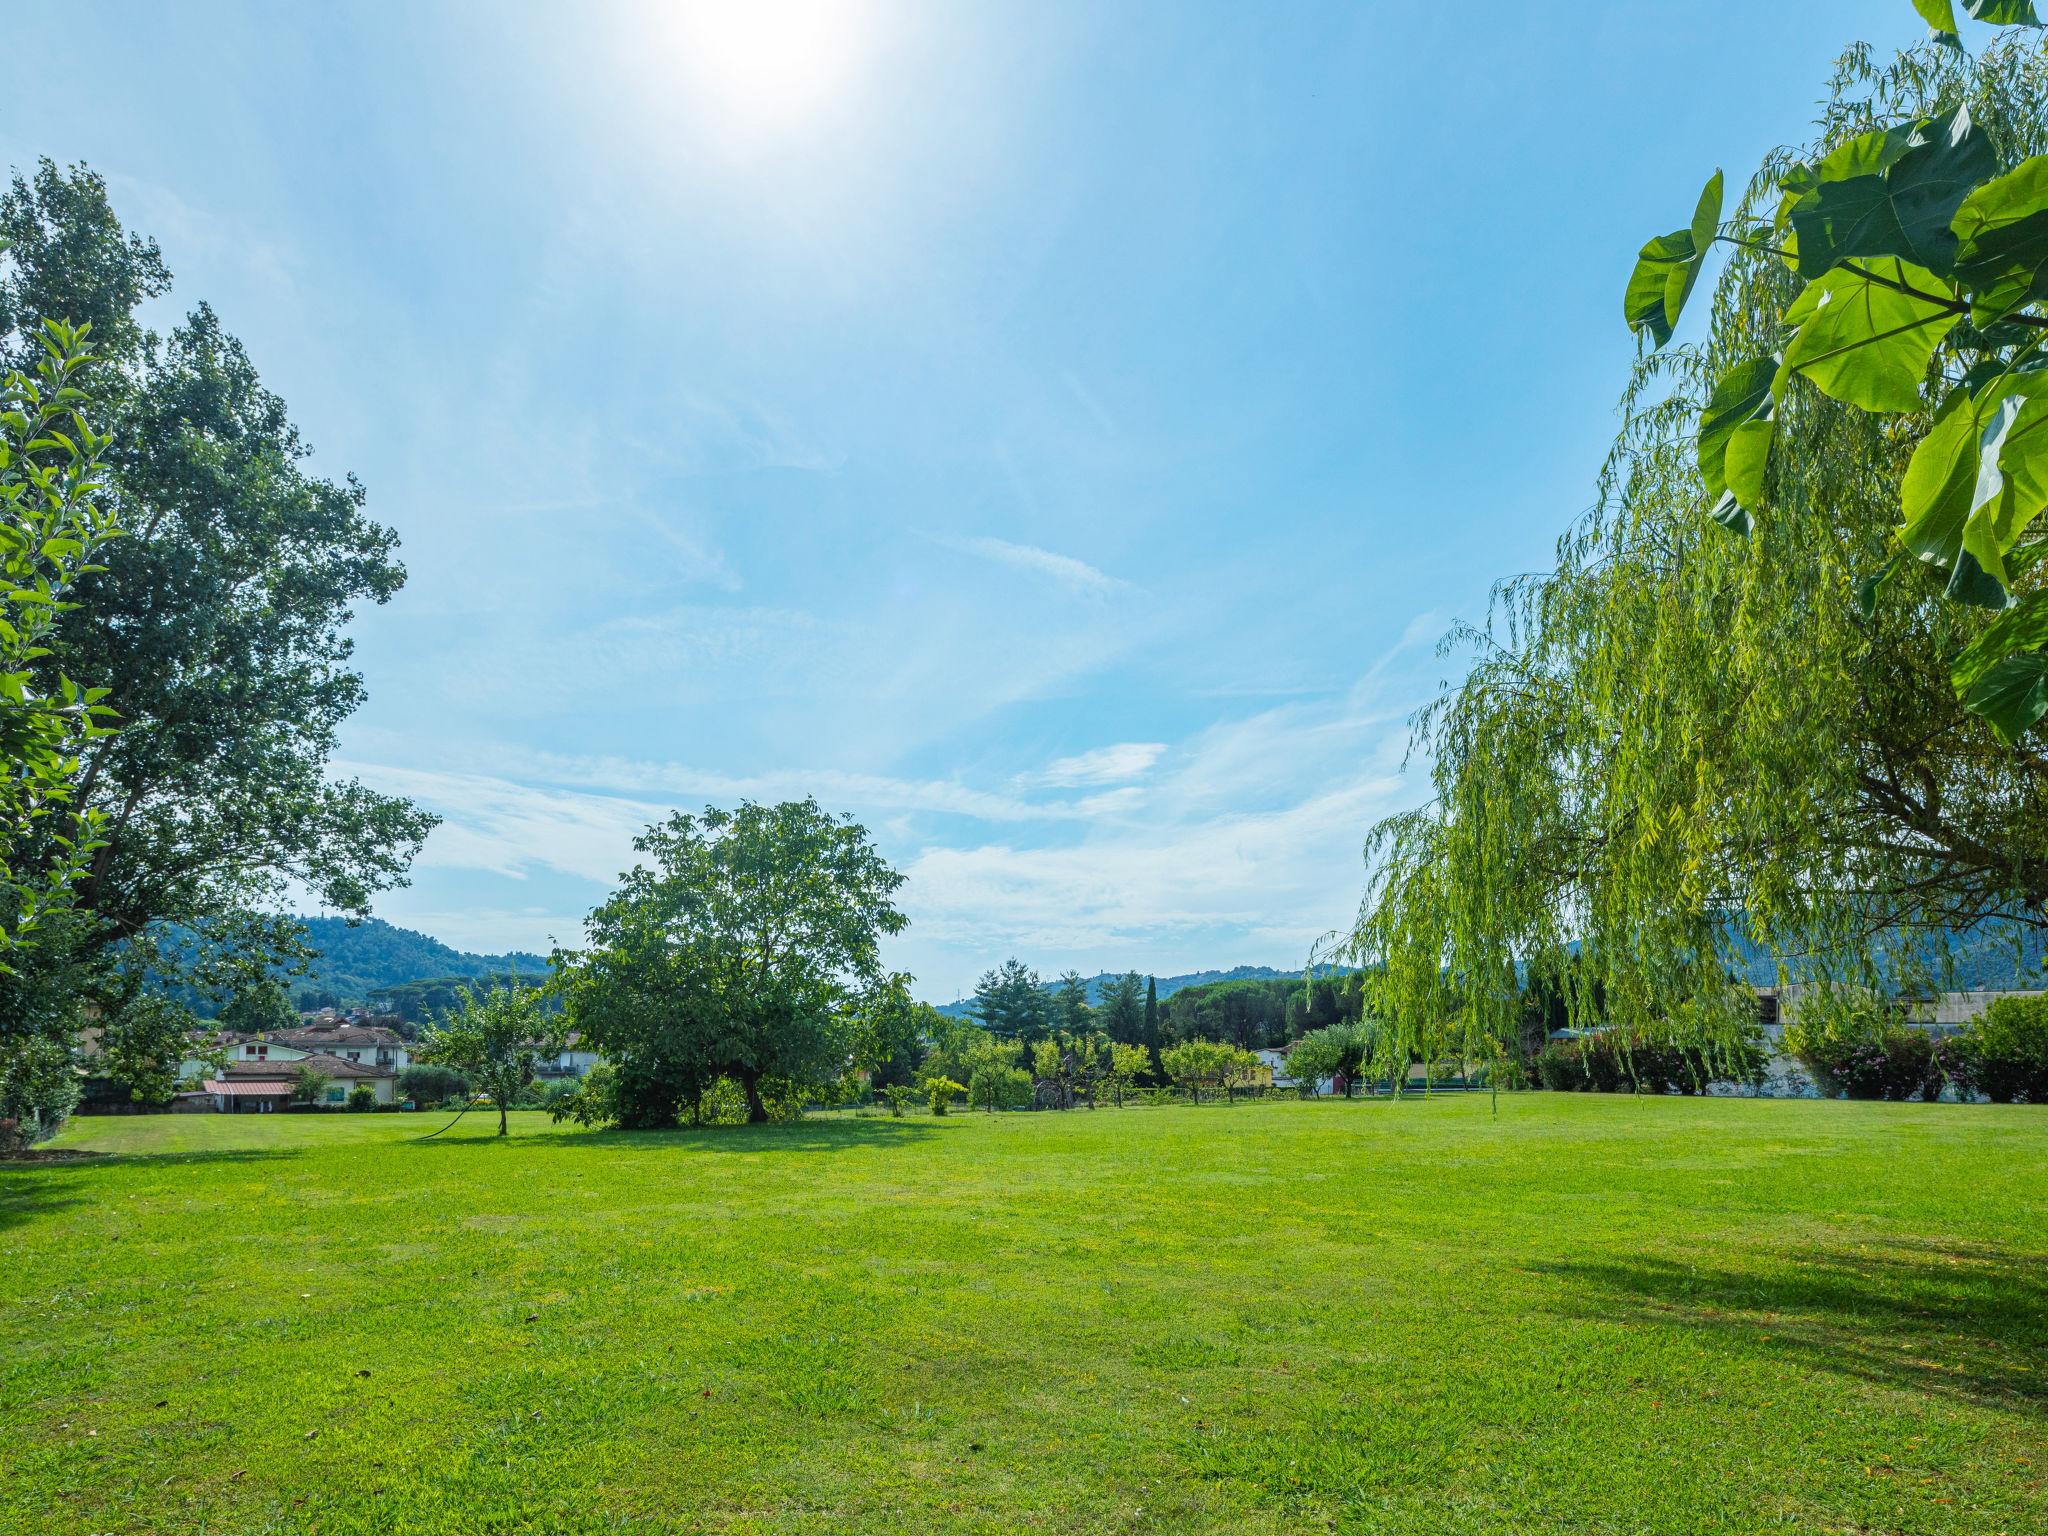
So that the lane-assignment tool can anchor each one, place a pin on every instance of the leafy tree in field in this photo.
(1011, 1003)
(955, 1047)
(1681, 733)
(217, 623)
(747, 945)
(994, 1085)
(310, 1084)
(495, 1041)
(1122, 1013)
(1127, 1064)
(1338, 1050)
(1198, 1064)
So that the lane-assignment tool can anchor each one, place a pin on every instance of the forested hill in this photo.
(356, 960)
(1168, 985)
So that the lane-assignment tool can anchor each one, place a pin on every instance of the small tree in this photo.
(1336, 1051)
(1196, 1064)
(362, 1097)
(995, 1086)
(1240, 1068)
(310, 1084)
(1127, 1063)
(494, 1040)
(897, 1096)
(941, 1091)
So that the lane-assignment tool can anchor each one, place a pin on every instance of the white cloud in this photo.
(1077, 576)
(1103, 765)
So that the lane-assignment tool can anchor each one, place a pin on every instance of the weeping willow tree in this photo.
(1681, 736)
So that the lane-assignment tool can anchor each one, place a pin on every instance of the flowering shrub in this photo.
(2004, 1054)
(1863, 1048)
(1615, 1062)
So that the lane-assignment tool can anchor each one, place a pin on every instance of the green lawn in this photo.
(1588, 1315)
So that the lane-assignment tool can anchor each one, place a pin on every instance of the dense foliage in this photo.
(747, 945)
(217, 622)
(1678, 736)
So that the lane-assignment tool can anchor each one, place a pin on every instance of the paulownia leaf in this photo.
(2022, 627)
(2002, 13)
(1893, 192)
(2012, 479)
(1668, 266)
(2012, 694)
(1863, 338)
(1735, 441)
(1976, 482)
(2002, 241)
(1940, 15)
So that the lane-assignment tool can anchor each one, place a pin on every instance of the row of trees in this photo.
(1012, 1003)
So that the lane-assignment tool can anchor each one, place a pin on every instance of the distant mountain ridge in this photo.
(357, 959)
(1168, 985)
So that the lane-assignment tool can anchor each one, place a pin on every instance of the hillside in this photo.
(1168, 985)
(361, 958)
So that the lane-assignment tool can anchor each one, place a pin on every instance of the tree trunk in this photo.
(757, 1112)
(501, 1117)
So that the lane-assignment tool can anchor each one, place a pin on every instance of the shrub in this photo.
(994, 1087)
(2004, 1054)
(593, 1101)
(427, 1083)
(38, 1091)
(941, 1091)
(1561, 1067)
(898, 1097)
(1617, 1062)
(1862, 1048)
(362, 1098)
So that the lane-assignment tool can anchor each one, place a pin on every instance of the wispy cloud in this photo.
(1076, 576)
(1103, 765)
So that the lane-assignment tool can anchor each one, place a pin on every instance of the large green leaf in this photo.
(2012, 478)
(1864, 332)
(1940, 482)
(2001, 13)
(1977, 480)
(1668, 266)
(1893, 192)
(1938, 14)
(2002, 241)
(2012, 694)
(1735, 441)
(1644, 303)
(2022, 627)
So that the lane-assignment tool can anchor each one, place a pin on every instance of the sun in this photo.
(761, 65)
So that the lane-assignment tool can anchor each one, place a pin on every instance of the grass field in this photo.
(1589, 1315)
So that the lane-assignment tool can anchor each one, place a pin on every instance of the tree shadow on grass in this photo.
(32, 1190)
(794, 1136)
(1962, 1321)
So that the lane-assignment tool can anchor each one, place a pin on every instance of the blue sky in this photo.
(1054, 433)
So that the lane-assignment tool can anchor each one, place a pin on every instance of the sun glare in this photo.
(761, 65)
